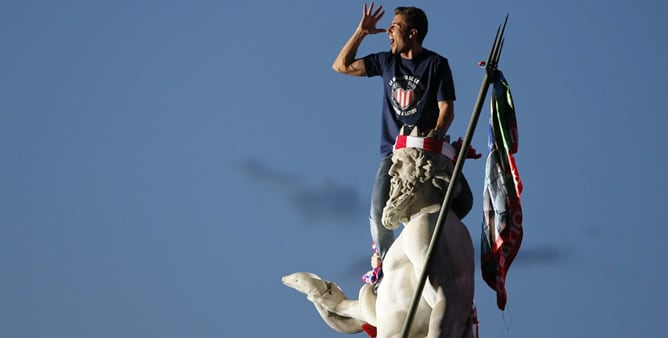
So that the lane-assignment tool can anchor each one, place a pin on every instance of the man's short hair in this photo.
(415, 19)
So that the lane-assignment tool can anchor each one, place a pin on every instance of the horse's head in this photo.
(420, 174)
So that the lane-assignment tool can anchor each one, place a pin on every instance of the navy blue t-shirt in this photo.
(411, 91)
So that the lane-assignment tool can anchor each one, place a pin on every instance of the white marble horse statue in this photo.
(420, 176)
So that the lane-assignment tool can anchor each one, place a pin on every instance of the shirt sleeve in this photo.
(372, 64)
(446, 86)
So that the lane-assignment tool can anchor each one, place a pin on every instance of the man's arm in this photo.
(446, 114)
(345, 62)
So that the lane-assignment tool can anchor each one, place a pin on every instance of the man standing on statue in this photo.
(418, 92)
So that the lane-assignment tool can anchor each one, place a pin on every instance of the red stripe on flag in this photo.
(516, 175)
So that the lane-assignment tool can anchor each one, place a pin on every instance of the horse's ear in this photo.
(415, 131)
(402, 131)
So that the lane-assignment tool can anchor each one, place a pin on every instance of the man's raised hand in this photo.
(370, 19)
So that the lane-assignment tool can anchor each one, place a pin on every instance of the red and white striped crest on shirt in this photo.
(404, 97)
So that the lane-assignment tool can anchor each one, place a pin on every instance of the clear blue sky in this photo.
(164, 163)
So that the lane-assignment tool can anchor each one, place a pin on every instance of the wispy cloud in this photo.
(541, 254)
(325, 202)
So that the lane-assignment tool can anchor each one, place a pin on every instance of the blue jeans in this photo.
(380, 193)
(383, 237)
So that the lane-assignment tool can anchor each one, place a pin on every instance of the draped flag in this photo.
(502, 210)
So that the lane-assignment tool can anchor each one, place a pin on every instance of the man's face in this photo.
(398, 34)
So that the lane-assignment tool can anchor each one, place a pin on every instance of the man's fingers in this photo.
(379, 13)
(368, 11)
(370, 17)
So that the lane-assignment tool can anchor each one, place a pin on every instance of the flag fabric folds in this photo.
(502, 211)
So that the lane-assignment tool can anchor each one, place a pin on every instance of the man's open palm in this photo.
(370, 19)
